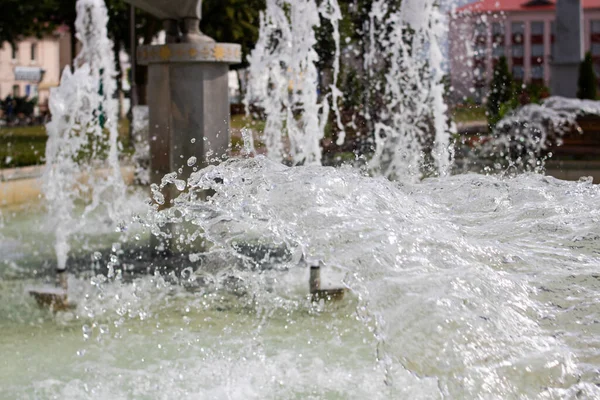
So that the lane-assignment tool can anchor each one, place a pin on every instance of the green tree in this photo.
(233, 21)
(587, 83)
(20, 18)
(119, 30)
(501, 91)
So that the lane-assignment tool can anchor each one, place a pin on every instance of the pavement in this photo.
(23, 185)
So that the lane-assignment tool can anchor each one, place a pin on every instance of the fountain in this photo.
(456, 286)
(187, 91)
(81, 154)
(410, 36)
(285, 79)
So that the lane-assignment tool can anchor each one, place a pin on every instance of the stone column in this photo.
(568, 54)
(188, 103)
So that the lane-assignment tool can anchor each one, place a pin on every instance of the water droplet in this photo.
(180, 184)
(193, 140)
(191, 161)
(87, 331)
(156, 194)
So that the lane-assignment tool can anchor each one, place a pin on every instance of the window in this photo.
(537, 50)
(33, 51)
(16, 91)
(480, 29)
(479, 93)
(517, 51)
(517, 28)
(552, 32)
(479, 50)
(497, 28)
(595, 49)
(518, 72)
(31, 91)
(537, 28)
(537, 72)
(15, 52)
(498, 51)
(595, 26)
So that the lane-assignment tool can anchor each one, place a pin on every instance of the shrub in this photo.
(501, 91)
(587, 82)
(17, 106)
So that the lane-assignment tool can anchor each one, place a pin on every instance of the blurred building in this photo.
(521, 30)
(33, 65)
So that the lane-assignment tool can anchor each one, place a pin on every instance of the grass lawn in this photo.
(21, 146)
(468, 113)
(26, 145)
(35, 131)
(240, 121)
(21, 151)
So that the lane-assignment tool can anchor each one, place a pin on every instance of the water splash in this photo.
(82, 135)
(482, 287)
(462, 287)
(522, 139)
(405, 45)
(284, 78)
(140, 129)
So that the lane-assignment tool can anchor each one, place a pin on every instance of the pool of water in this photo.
(469, 286)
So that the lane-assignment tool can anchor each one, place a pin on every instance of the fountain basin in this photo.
(461, 287)
(22, 185)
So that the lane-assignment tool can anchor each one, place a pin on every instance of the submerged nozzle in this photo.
(314, 284)
(314, 281)
(54, 298)
(61, 279)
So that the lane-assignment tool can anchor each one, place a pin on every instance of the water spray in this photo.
(83, 112)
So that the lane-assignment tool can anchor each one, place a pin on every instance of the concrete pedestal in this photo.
(188, 104)
(564, 79)
(568, 48)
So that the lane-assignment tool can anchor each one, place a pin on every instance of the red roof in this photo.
(518, 5)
